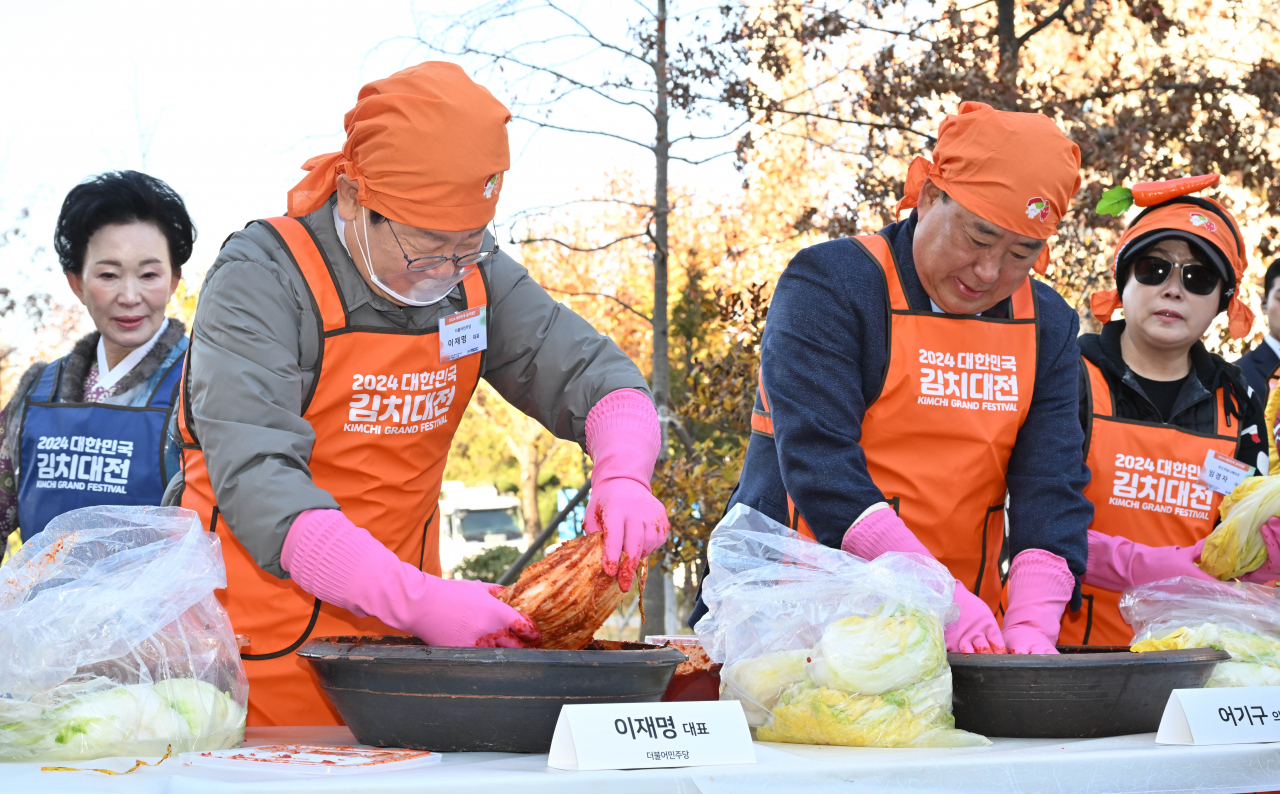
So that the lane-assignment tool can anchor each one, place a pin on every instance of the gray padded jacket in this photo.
(254, 354)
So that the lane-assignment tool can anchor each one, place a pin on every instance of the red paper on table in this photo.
(312, 759)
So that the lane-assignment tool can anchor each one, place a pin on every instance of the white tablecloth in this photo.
(1021, 766)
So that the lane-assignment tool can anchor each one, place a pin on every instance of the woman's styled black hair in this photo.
(119, 197)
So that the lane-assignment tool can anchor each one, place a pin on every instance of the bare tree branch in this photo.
(703, 160)
(547, 208)
(565, 245)
(588, 33)
(1044, 23)
(577, 84)
(717, 137)
(545, 125)
(613, 298)
(682, 432)
(874, 125)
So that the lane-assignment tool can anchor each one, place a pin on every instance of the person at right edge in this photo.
(1260, 364)
(1154, 403)
(910, 379)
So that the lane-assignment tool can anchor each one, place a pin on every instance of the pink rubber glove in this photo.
(976, 630)
(1040, 585)
(1270, 570)
(342, 564)
(1117, 563)
(623, 440)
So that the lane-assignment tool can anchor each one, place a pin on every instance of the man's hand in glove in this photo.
(879, 531)
(342, 564)
(623, 440)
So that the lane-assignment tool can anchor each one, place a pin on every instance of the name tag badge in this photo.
(1222, 473)
(463, 333)
(1226, 715)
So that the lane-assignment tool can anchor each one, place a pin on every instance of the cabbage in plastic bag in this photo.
(183, 712)
(822, 647)
(1235, 547)
(112, 642)
(763, 679)
(1241, 619)
(1255, 657)
(914, 716)
(875, 654)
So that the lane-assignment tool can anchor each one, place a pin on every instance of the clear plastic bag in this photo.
(1241, 619)
(822, 647)
(112, 642)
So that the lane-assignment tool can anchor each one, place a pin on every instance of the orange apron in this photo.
(939, 435)
(384, 407)
(1143, 488)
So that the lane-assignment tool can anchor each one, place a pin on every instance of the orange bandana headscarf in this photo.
(1016, 170)
(427, 146)
(1205, 224)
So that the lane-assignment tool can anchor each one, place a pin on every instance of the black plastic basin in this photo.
(1085, 692)
(397, 692)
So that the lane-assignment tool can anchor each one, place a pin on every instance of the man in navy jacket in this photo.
(1259, 363)
(866, 405)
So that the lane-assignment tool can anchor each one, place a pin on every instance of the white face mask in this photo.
(415, 288)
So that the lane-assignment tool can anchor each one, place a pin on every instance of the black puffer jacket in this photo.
(1194, 408)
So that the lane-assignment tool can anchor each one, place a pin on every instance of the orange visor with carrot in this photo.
(1016, 170)
(427, 147)
(1171, 207)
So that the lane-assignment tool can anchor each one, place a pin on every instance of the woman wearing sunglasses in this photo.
(1154, 402)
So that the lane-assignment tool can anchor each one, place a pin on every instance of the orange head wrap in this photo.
(1193, 218)
(1016, 170)
(427, 146)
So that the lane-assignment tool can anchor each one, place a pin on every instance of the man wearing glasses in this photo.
(334, 352)
(915, 380)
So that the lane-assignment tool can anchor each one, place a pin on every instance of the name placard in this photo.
(1226, 715)
(647, 735)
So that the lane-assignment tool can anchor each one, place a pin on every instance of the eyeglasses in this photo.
(1197, 279)
(420, 263)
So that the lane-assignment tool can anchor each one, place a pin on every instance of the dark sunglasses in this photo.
(1196, 278)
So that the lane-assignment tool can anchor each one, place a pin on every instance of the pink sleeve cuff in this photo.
(878, 532)
(625, 412)
(1038, 572)
(324, 553)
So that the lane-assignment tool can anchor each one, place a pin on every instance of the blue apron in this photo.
(89, 454)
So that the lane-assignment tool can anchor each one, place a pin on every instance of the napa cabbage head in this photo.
(204, 708)
(760, 681)
(1233, 674)
(189, 714)
(118, 716)
(1255, 655)
(1244, 646)
(1235, 547)
(883, 652)
(918, 715)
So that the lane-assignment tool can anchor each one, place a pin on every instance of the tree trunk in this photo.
(529, 457)
(661, 382)
(655, 607)
(655, 602)
(529, 492)
(1007, 37)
